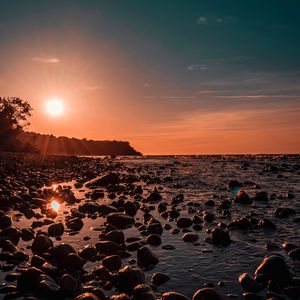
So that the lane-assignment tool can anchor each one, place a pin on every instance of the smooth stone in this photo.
(184, 222)
(249, 284)
(173, 296)
(154, 240)
(56, 229)
(274, 268)
(146, 258)
(220, 237)
(120, 220)
(112, 262)
(206, 294)
(129, 278)
(159, 278)
(105, 180)
(41, 244)
(190, 237)
(107, 247)
(68, 285)
(143, 292)
(242, 198)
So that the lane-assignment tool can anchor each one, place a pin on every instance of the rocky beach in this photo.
(150, 227)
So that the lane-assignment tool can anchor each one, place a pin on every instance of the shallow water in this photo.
(190, 266)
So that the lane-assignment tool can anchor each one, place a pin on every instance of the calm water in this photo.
(200, 179)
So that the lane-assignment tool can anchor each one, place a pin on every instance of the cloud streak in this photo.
(46, 60)
(215, 20)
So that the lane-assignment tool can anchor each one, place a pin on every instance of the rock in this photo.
(159, 278)
(210, 203)
(120, 220)
(274, 268)
(242, 197)
(232, 184)
(184, 222)
(88, 252)
(102, 273)
(261, 196)
(11, 233)
(87, 208)
(266, 223)
(242, 223)
(28, 280)
(295, 254)
(168, 247)
(27, 234)
(154, 240)
(155, 228)
(289, 246)
(130, 208)
(220, 237)
(56, 229)
(134, 246)
(73, 262)
(107, 247)
(253, 296)
(5, 221)
(68, 285)
(61, 251)
(75, 224)
(284, 212)
(129, 278)
(41, 244)
(143, 292)
(116, 236)
(173, 296)
(206, 294)
(87, 296)
(145, 257)
(105, 180)
(208, 217)
(155, 196)
(249, 284)
(112, 262)
(47, 287)
(120, 297)
(190, 237)
(105, 209)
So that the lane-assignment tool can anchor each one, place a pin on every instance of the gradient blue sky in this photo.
(170, 76)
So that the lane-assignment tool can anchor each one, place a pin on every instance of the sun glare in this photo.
(55, 205)
(54, 107)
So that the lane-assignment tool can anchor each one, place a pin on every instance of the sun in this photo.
(55, 107)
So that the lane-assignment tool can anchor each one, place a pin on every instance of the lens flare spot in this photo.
(55, 205)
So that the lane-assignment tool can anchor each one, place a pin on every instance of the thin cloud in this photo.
(214, 20)
(197, 66)
(94, 87)
(47, 60)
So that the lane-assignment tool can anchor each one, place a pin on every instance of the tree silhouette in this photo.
(13, 118)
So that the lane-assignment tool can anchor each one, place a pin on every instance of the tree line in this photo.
(14, 114)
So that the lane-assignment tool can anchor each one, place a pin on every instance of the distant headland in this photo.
(14, 114)
(49, 144)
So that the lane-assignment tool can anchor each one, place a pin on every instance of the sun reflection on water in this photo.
(55, 205)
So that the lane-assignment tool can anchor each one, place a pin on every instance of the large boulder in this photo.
(207, 294)
(105, 180)
(146, 258)
(274, 268)
(129, 278)
(120, 220)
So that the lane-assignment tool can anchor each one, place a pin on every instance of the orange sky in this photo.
(146, 86)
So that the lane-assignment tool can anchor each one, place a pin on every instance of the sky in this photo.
(169, 76)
